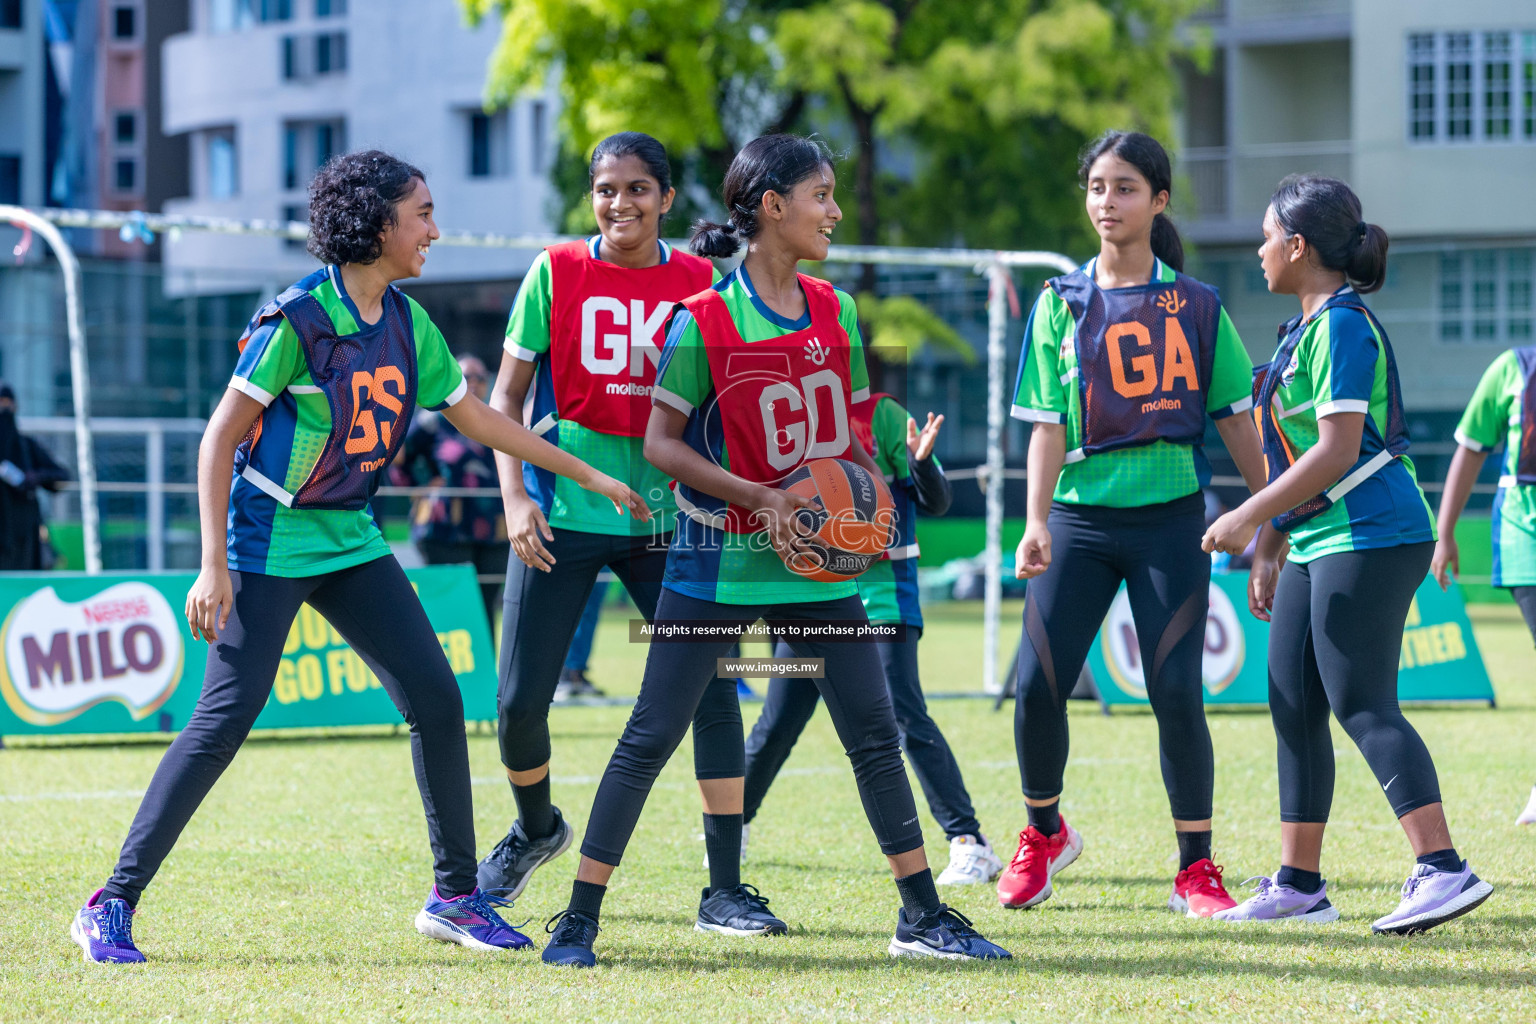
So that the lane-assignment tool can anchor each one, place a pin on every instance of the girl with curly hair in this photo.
(328, 377)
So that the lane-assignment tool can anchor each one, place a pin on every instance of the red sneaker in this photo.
(1198, 892)
(1027, 879)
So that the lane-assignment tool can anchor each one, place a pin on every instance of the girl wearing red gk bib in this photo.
(1123, 362)
(1344, 496)
(583, 339)
(758, 377)
(328, 378)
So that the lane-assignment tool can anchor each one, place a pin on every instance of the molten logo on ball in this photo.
(852, 527)
(61, 658)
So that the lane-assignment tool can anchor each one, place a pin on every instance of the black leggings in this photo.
(537, 624)
(1525, 597)
(676, 675)
(1335, 638)
(791, 703)
(375, 610)
(1155, 550)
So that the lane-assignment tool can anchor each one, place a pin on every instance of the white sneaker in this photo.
(1528, 816)
(746, 833)
(971, 862)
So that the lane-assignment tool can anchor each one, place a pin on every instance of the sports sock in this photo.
(722, 842)
(1047, 819)
(534, 809)
(1442, 860)
(109, 893)
(587, 898)
(918, 895)
(1193, 846)
(1302, 881)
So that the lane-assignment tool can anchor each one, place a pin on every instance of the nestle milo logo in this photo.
(62, 657)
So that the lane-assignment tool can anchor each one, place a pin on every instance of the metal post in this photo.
(85, 459)
(997, 329)
(154, 477)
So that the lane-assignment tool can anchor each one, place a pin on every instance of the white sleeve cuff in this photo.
(1340, 405)
(1240, 406)
(457, 395)
(1469, 444)
(516, 351)
(861, 395)
(245, 387)
(1028, 415)
(671, 399)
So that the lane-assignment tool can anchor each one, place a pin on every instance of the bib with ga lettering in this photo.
(605, 325)
(1144, 359)
(781, 402)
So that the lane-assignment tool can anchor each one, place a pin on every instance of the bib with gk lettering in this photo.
(605, 326)
(1144, 359)
(782, 402)
(371, 389)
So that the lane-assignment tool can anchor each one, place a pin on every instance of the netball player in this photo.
(905, 457)
(1344, 494)
(1123, 361)
(757, 378)
(583, 339)
(1503, 409)
(326, 383)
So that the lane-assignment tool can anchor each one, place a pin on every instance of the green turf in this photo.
(290, 896)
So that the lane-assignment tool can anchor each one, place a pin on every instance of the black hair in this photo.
(637, 144)
(1148, 156)
(1326, 212)
(352, 202)
(774, 163)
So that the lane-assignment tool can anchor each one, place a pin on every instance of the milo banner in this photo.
(113, 654)
(1439, 660)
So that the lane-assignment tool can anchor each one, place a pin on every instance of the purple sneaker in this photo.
(104, 929)
(1272, 901)
(470, 921)
(1432, 897)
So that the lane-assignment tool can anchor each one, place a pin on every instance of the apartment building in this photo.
(1429, 110)
(22, 103)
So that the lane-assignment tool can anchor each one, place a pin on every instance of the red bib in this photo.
(782, 402)
(604, 333)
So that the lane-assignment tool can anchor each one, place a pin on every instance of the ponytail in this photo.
(714, 241)
(1166, 243)
(1327, 213)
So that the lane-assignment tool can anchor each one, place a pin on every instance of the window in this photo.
(330, 8)
(10, 178)
(295, 215)
(275, 10)
(330, 53)
(125, 128)
(487, 155)
(223, 171)
(125, 22)
(290, 53)
(307, 145)
(538, 113)
(10, 13)
(125, 175)
(1472, 87)
(1486, 295)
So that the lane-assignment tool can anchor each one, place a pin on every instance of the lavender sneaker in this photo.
(104, 929)
(1272, 901)
(471, 921)
(1432, 897)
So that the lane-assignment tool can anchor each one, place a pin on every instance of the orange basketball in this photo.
(851, 528)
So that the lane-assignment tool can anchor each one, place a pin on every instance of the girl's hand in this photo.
(1446, 565)
(527, 529)
(209, 603)
(920, 444)
(623, 497)
(1034, 554)
(1231, 533)
(1262, 580)
(776, 510)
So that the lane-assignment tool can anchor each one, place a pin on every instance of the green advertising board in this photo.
(1439, 661)
(112, 654)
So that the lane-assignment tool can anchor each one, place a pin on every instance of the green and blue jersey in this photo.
(1493, 417)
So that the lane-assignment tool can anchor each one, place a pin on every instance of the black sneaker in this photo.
(946, 934)
(738, 911)
(507, 868)
(574, 685)
(571, 937)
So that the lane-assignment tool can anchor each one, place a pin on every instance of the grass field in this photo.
(290, 896)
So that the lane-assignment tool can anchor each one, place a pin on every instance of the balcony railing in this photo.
(1275, 10)
(1233, 184)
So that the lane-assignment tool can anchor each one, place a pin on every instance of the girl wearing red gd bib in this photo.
(757, 378)
(583, 341)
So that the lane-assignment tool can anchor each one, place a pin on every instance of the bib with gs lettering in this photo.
(782, 402)
(605, 325)
(1144, 359)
